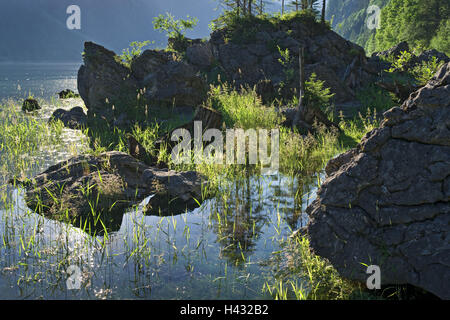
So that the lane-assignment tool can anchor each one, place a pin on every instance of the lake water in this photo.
(39, 79)
(221, 250)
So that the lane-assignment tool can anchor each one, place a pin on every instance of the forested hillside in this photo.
(423, 23)
(349, 19)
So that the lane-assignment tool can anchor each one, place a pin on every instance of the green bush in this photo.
(316, 95)
(426, 70)
(133, 51)
(173, 28)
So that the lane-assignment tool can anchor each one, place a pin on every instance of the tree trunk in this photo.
(323, 10)
(301, 109)
(250, 2)
(304, 4)
(282, 7)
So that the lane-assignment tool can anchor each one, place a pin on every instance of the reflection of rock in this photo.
(89, 189)
(73, 119)
(30, 105)
(387, 202)
(175, 192)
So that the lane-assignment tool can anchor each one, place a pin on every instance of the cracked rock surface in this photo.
(387, 202)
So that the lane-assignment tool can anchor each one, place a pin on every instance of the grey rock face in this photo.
(427, 56)
(164, 78)
(340, 63)
(200, 54)
(110, 89)
(168, 81)
(387, 202)
(394, 51)
(92, 188)
(105, 84)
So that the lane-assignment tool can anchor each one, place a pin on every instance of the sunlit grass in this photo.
(306, 276)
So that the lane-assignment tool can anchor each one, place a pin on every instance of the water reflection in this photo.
(214, 251)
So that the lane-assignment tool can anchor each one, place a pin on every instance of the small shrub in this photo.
(174, 29)
(133, 51)
(400, 63)
(316, 95)
(426, 70)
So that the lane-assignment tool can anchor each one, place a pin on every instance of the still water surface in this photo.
(219, 251)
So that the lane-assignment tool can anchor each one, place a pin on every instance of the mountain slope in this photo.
(424, 24)
(349, 19)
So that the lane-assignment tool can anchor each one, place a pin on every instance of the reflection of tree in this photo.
(300, 192)
(293, 216)
(237, 223)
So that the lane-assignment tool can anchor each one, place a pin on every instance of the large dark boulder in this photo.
(93, 192)
(167, 80)
(111, 89)
(395, 51)
(106, 86)
(387, 202)
(338, 62)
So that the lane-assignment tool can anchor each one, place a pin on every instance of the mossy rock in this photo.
(67, 94)
(30, 105)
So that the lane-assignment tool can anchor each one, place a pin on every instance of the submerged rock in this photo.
(75, 118)
(30, 105)
(93, 192)
(387, 202)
